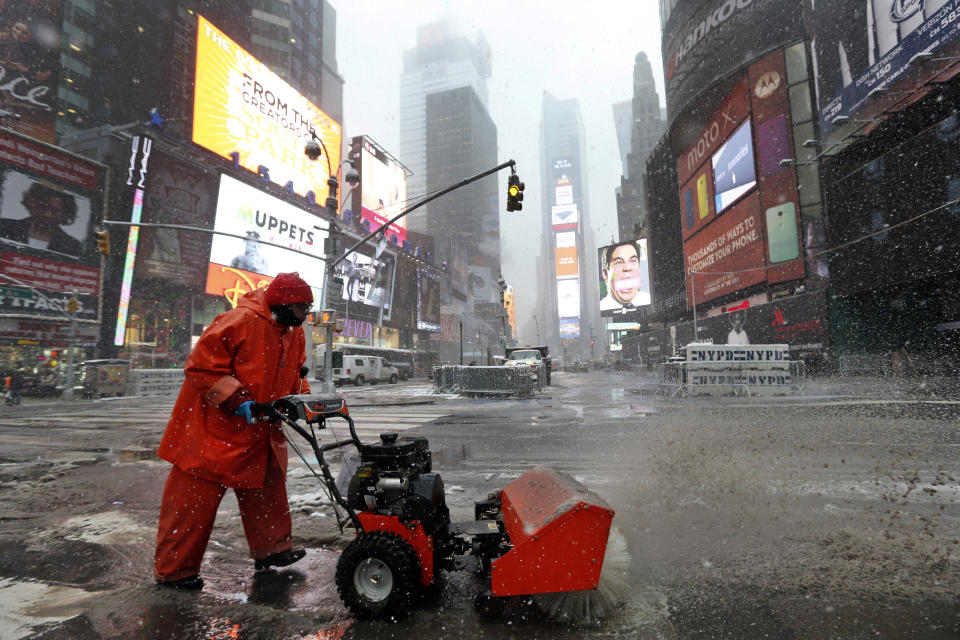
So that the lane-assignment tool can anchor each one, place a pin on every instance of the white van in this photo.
(360, 369)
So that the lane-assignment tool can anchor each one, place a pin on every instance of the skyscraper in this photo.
(647, 125)
(568, 289)
(441, 61)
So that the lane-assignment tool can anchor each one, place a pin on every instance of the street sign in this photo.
(9, 292)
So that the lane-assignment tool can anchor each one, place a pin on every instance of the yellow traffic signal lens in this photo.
(514, 190)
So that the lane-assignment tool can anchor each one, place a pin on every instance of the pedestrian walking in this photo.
(14, 388)
(253, 353)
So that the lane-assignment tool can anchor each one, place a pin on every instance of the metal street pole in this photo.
(461, 342)
(693, 291)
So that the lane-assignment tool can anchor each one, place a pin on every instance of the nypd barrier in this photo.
(709, 369)
(498, 381)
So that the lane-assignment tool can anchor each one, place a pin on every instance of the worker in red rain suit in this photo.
(252, 353)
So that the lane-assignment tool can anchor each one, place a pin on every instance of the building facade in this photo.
(567, 288)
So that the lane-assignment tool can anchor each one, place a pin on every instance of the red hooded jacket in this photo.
(242, 347)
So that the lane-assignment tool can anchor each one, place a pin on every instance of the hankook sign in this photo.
(706, 41)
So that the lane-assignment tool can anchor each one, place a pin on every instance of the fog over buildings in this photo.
(589, 58)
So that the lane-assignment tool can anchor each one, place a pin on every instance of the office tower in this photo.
(567, 286)
(645, 130)
(441, 60)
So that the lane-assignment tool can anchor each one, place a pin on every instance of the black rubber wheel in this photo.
(377, 575)
(358, 381)
(394, 379)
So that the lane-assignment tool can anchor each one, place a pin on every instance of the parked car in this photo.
(361, 369)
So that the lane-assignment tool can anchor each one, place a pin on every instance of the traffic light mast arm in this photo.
(386, 225)
(161, 225)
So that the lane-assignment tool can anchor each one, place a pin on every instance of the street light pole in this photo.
(538, 327)
(693, 292)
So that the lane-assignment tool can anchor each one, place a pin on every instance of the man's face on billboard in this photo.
(623, 273)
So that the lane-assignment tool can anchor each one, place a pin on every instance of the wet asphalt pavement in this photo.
(832, 514)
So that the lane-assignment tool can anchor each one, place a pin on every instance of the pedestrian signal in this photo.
(103, 242)
(514, 193)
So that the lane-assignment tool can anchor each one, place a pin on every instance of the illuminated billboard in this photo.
(245, 112)
(566, 262)
(624, 277)
(731, 256)
(569, 328)
(239, 264)
(367, 280)
(383, 188)
(564, 216)
(734, 172)
(568, 298)
(428, 300)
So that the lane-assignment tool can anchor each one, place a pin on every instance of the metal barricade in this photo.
(517, 381)
(679, 380)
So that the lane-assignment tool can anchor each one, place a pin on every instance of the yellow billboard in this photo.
(248, 114)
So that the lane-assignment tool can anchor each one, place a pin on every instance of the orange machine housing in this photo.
(558, 531)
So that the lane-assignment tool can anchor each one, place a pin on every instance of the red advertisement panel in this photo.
(61, 167)
(733, 110)
(50, 275)
(728, 256)
(778, 184)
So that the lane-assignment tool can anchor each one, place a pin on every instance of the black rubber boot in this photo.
(281, 559)
(190, 583)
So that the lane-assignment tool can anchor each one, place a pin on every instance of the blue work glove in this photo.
(244, 411)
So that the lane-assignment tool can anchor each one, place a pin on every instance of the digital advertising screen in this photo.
(564, 217)
(729, 255)
(624, 277)
(568, 298)
(428, 300)
(367, 280)
(238, 265)
(734, 170)
(383, 188)
(567, 264)
(569, 328)
(245, 112)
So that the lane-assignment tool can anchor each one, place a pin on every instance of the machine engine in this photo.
(394, 478)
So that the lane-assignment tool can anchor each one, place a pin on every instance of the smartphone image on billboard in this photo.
(703, 202)
(782, 235)
(688, 211)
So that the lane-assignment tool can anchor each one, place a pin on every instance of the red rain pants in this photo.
(189, 509)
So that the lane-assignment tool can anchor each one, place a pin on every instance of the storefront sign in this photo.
(48, 333)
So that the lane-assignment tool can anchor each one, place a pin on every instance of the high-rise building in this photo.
(116, 65)
(646, 127)
(623, 125)
(441, 61)
(568, 290)
(461, 140)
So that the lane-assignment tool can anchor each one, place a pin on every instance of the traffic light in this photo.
(103, 242)
(514, 193)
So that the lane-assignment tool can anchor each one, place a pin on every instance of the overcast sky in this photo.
(571, 49)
